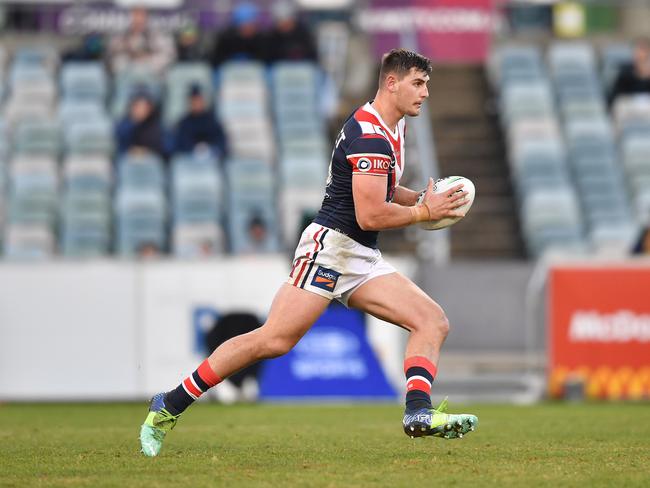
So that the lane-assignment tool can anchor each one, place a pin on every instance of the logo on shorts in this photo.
(325, 278)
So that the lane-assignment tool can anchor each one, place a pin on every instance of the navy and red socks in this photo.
(191, 388)
(420, 373)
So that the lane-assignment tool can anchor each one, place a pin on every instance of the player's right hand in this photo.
(446, 204)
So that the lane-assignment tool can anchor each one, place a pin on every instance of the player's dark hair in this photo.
(400, 62)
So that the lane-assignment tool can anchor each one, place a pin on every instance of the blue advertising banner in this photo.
(332, 361)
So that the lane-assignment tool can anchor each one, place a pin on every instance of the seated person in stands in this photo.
(289, 39)
(141, 46)
(141, 129)
(148, 250)
(642, 245)
(188, 44)
(90, 49)
(199, 129)
(242, 40)
(634, 78)
(258, 237)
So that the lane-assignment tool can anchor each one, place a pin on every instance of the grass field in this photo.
(333, 446)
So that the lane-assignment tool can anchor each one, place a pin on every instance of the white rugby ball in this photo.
(441, 186)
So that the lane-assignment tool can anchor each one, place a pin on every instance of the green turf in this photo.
(332, 446)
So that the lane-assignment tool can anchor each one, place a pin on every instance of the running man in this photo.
(337, 258)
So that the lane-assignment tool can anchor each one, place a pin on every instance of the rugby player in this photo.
(337, 258)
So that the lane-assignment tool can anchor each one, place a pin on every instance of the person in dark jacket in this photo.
(243, 40)
(188, 44)
(634, 78)
(642, 244)
(141, 129)
(199, 128)
(289, 39)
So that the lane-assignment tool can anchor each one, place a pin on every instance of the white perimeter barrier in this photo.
(119, 330)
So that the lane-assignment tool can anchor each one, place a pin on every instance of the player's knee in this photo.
(431, 320)
(442, 324)
(278, 346)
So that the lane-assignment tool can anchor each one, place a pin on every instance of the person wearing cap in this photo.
(242, 40)
(199, 129)
(141, 129)
(289, 39)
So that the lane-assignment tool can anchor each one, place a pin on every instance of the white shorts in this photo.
(333, 265)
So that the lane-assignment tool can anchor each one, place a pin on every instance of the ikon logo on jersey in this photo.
(325, 278)
(373, 165)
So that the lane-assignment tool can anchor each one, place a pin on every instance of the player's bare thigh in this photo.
(293, 312)
(396, 299)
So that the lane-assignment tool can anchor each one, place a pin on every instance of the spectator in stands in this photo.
(289, 39)
(642, 245)
(188, 45)
(141, 46)
(258, 236)
(91, 49)
(243, 39)
(199, 129)
(634, 78)
(148, 250)
(141, 129)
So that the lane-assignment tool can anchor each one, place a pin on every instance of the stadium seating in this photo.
(251, 194)
(89, 136)
(242, 107)
(303, 159)
(84, 81)
(28, 242)
(129, 81)
(197, 206)
(86, 211)
(552, 218)
(59, 118)
(140, 204)
(37, 137)
(595, 161)
(178, 82)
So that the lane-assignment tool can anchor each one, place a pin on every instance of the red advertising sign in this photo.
(600, 330)
(445, 30)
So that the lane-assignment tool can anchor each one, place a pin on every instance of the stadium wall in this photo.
(123, 330)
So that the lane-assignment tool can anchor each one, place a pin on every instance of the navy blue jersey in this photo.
(365, 146)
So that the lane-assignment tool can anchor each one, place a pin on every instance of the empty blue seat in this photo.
(87, 173)
(140, 219)
(72, 110)
(196, 190)
(84, 80)
(90, 136)
(31, 242)
(519, 63)
(37, 136)
(141, 170)
(33, 196)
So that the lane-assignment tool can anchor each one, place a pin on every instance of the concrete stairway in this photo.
(469, 143)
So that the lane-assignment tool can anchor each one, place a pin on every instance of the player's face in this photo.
(412, 91)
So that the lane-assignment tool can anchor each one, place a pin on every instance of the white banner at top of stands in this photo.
(149, 3)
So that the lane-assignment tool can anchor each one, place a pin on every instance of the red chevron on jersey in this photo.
(371, 123)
